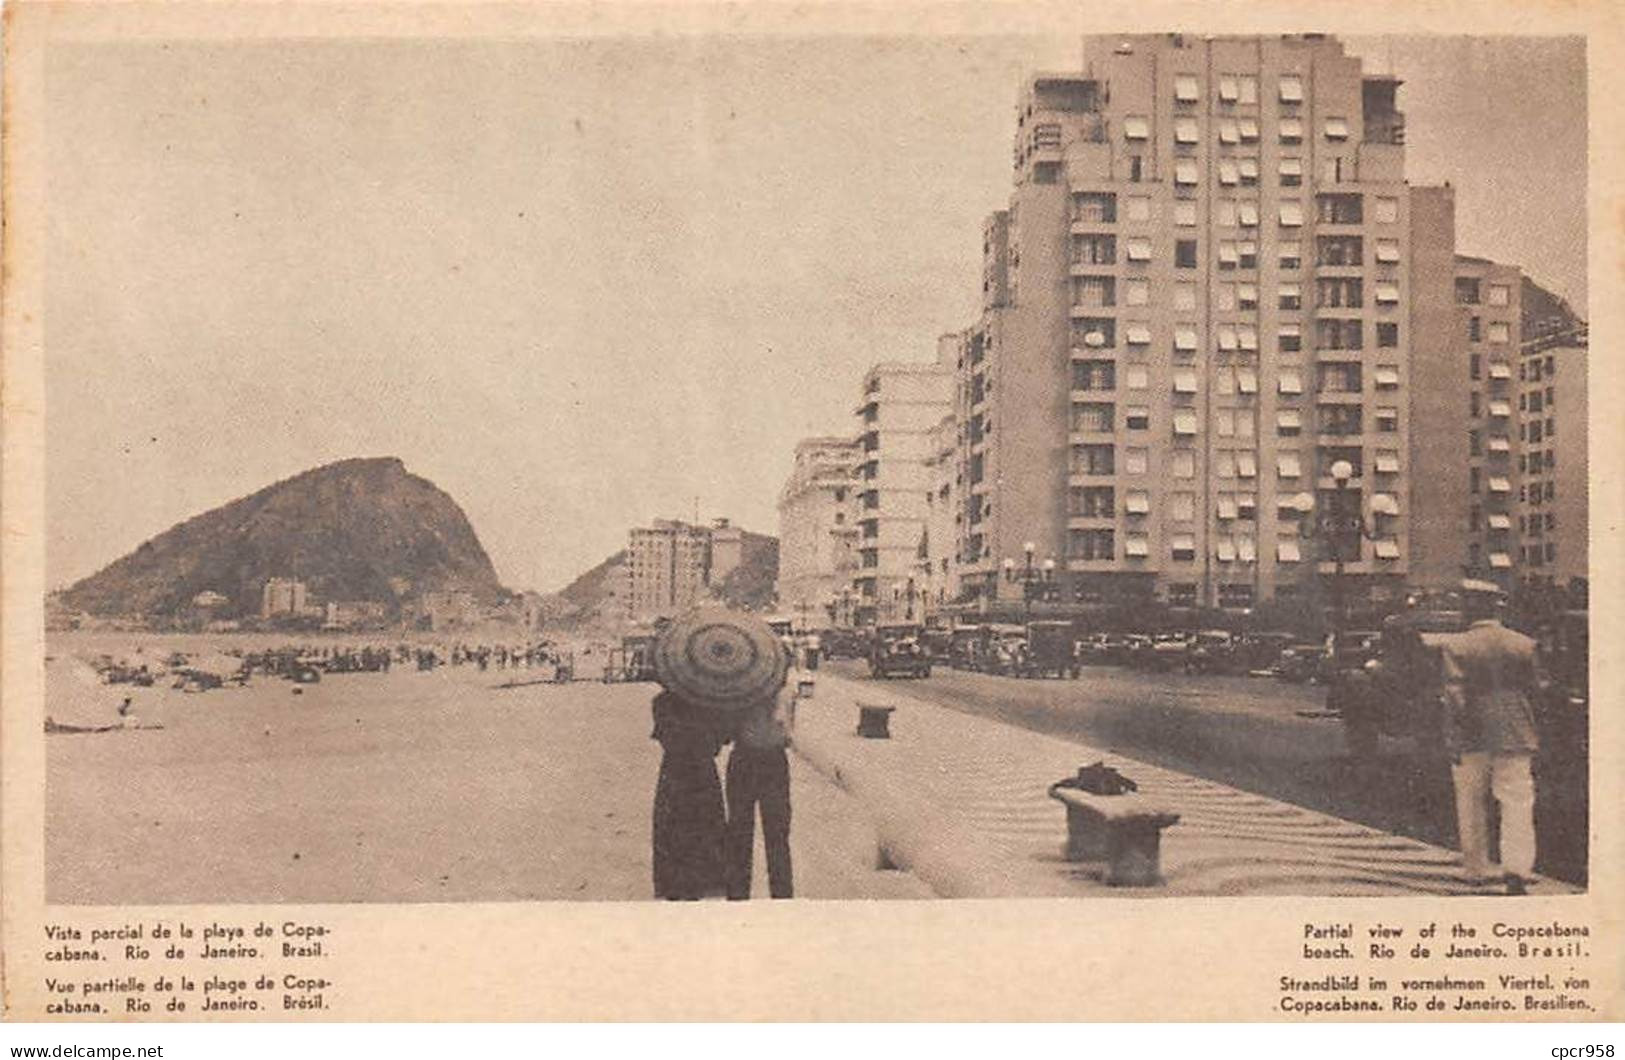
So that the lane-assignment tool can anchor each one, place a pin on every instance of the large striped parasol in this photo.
(719, 658)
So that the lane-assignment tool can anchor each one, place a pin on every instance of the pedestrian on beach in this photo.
(1492, 682)
(722, 672)
(759, 777)
(688, 811)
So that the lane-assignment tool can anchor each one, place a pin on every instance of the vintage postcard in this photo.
(692, 511)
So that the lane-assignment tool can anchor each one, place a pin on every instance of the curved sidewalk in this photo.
(963, 803)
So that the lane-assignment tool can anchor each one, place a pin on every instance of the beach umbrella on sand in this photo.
(720, 658)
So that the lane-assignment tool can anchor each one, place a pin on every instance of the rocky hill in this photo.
(356, 530)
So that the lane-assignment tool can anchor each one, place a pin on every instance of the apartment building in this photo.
(667, 568)
(937, 583)
(283, 596)
(817, 531)
(1553, 502)
(901, 406)
(1199, 308)
(1498, 407)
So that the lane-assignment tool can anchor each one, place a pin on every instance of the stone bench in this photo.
(1125, 831)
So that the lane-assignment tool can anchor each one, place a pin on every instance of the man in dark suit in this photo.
(1492, 681)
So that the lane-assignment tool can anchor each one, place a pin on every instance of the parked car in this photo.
(1301, 663)
(1049, 650)
(901, 656)
(1212, 651)
(1099, 649)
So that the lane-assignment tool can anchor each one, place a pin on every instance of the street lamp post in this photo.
(1335, 524)
(1034, 579)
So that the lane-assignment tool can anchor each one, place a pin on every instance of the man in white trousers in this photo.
(1492, 681)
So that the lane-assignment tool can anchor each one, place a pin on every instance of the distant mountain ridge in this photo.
(356, 530)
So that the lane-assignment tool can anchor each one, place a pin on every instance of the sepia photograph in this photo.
(1137, 465)
(652, 489)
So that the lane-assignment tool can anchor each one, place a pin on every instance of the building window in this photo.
(1184, 463)
(1337, 128)
(1475, 366)
(1136, 169)
(1343, 209)
(1475, 403)
(1387, 419)
(1290, 338)
(1500, 331)
(1092, 502)
(1136, 292)
(1387, 334)
(1094, 250)
(1289, 296)
(1248, 168)
(1247, 254)
(1093, 544)
(1291, 172)
(1466, 290)
(1500, 294)
(1234, 596)
(1093, 460)
(1185, 214)
(1387, 251)
(1473, 483)
(1138, 208)
(1186, 89)
(1135, 460)
(1138, 376)
(1387, 211)
(1094, 332)
(1094, 375)
(1185, 296)
(1094, 207)
(1339, 292)
(1247, 296)
(1136, 127)
(1094, 292)
(1182, 548)
(1185, 253)
(1137, 418)
(1185, 131)
(1095, 417)
(1339, 250)
(1291, 255)
(1475, 330)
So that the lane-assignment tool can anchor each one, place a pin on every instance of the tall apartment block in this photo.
(1196, 304)
(1497, 454)
(817, 531)
(1553, 500)
(667, 568)
(902, 405)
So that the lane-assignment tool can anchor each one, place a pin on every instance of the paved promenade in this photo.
(962, 802)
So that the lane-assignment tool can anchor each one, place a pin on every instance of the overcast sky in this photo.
(580, 284)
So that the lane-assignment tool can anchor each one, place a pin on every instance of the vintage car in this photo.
(898, 657)
(1050, 650)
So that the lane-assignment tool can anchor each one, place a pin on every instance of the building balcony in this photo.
(1338, 397)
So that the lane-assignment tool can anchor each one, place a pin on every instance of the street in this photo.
(1245, 732)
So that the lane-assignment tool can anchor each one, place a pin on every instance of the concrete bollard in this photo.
(874, 721)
